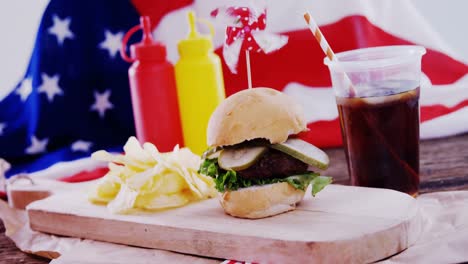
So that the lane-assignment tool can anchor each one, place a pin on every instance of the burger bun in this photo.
(261, 201)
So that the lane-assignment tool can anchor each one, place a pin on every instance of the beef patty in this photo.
(274, 164)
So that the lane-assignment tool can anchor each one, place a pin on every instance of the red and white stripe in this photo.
(326, 48)
(298, 68)
(319, 36)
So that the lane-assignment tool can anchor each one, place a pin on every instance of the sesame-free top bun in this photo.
(255, 113)
(261, 201)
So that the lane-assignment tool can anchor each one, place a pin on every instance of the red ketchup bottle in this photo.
(153, 90)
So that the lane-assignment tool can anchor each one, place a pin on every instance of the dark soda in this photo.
(380, 132)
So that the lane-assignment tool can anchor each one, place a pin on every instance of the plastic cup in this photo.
(379, 114)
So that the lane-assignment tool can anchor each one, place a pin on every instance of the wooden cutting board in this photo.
(342, 224)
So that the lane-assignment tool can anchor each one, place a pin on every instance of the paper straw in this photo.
(249, 73)
(326, 48)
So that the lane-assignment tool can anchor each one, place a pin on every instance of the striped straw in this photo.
(326, 48)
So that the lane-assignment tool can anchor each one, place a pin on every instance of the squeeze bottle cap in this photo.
(195, 43)
(147, 48)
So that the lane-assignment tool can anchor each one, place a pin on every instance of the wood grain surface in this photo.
(342, 224)
(10, 254)
(444, 166)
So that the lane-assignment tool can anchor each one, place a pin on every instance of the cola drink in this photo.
(380, 130)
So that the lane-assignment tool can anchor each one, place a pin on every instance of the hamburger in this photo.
(259, 166)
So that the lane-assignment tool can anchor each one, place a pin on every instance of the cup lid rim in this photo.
(399, 54)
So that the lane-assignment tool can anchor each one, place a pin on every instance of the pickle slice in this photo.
(304, 152)
(240, 158)
(211, 153)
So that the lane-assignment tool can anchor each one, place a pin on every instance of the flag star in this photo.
(112, 43)
(2, 128)
(81, 145)
(25, 89)
(61, 29)
(50, 86)
(37, 146)
(102, 103)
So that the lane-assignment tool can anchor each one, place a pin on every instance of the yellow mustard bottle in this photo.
(200, 85)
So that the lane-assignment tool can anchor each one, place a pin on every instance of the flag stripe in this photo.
(308, 68)
(434, 111)
(156, 10)
(450, 124)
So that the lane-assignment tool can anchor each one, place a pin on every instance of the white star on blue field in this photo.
(61, 29)
(74, 97)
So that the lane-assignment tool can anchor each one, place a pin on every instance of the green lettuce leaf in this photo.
(319, 183)
(229, 180)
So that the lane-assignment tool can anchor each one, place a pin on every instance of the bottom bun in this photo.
(261, 201)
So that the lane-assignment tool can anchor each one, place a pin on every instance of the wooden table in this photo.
(444, 166)
(443, 163)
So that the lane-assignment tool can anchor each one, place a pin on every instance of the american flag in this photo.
(74, 97)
